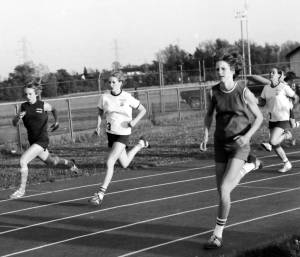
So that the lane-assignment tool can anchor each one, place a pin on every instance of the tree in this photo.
(23, 73)
(49, 83)
(64, 80)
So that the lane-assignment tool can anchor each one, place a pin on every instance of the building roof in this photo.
(293, 52)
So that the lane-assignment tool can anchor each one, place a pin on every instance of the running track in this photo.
(165, 211)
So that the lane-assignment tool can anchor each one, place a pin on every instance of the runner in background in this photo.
(117, 106)
(34, 114)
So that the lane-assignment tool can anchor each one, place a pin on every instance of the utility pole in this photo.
(24, 50)
(248, 43)
(117, 64)
(241, 15)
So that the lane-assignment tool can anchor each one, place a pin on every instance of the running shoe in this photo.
(266, 146)
(96, 199)
(17, 194)
(286, 167)
(74, 168)
(213, 242)
(257, 162)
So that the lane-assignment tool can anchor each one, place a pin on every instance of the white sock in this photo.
(247, 167)
(220, 225)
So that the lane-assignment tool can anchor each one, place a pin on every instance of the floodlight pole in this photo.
(242, 15)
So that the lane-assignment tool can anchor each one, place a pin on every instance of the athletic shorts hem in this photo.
(284, 124)
(112, 138)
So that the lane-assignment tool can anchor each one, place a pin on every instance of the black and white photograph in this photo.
(150, 128)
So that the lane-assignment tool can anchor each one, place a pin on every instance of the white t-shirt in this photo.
(277, 101)
(118, 111)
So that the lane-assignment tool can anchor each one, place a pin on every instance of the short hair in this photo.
(290, 75)
(118, 74)
(34, 85)
(234, 59)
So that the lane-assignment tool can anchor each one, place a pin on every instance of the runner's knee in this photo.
(52, 160)
(23, 163)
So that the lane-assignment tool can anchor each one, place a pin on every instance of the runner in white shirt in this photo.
(117, 107)
(276, 96)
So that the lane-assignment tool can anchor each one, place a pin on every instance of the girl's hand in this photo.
(203, 146)
(21, 115)
(131, 124)
(54, 126)
(97, 132)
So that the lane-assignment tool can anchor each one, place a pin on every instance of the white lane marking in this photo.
(114, 181)
(136, 178)
(109, 193)
(132, 189)
(136, 203)
(209, 231)
(163, 217)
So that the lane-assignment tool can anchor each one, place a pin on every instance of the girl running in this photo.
(117, 106)
(276, 96)
(234, 105)
(33, 112)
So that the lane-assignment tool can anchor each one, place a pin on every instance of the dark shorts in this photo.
(124, 139)
(229, 150)
(44, 142)
(285, 124)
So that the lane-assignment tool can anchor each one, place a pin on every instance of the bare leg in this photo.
(32, 152)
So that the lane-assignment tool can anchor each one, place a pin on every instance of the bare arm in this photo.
(207, 121)
(49, 108)
(252, 104)
(141, 112)
(99, 119)
(17, 118)
(259, 79)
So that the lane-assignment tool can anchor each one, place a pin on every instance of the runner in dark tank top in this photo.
(35, 122)
(33, 112)
(234, 104)
(232, 113)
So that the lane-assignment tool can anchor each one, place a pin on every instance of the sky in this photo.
(72, 34)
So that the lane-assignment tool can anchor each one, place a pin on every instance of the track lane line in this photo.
(126, 190)
(134, 178)
(209, 231)
(164, 217)
(114, 181)
(136, 203)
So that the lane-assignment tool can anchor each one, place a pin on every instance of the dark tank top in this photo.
(233, 117)
(35, 121)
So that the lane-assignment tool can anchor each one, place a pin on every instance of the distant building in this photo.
(294, 60)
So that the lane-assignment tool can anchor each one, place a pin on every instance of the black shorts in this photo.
(124, 139)
(43, 142)
(229, 150)
(284, 124)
